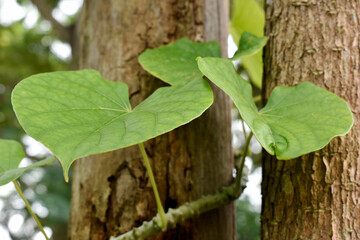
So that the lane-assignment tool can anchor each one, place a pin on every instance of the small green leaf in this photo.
(248, 16)
(295, 121)
(11, 154)
(78, 113)
(176, 63)
(249, 45)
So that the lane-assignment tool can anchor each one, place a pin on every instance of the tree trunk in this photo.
(316, 196)
(111, 192)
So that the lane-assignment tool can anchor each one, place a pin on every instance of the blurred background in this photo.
(29, 45)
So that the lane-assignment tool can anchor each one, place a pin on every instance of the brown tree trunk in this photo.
(111, 192)
(316, 196)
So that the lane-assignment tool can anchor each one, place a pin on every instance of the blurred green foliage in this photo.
(249, 16)
(24, 52)
(247, 220)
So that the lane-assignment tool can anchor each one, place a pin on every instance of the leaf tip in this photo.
(66, 176)
(66, 172)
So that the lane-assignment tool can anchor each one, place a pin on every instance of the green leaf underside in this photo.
(249, 45)
(78, 113)
(295, 121)
(11, 154)
(248, 16)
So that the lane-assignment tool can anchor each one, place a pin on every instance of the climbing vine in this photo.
(79, 113)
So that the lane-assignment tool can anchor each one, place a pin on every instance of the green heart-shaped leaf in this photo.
(249, 45)
(11, 154)
(249, 16)
(295, 121)
(79, 113)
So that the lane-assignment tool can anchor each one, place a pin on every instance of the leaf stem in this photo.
(153, 184)
(257, 98)
(243, 128)
(242, 162)
(18, 189)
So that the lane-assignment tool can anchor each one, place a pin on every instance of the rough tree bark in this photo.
(316, 196)
(111, 192)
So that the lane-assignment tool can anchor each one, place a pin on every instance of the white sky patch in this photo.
(25, 162)
(70, 7)
(253, 190)
(65, 9)
(33, 176)
(4, 233)
(7, 189)
(29, 227)
(61, 50)
(232, 47)
(10, 12)
(238, 133)
(40, 236)
(32, 16)
(256, 147)
(29, 194)
(248, 162)
(35, 148)
(59, 15)
(17, 202)
(15, 223)
(40, 209)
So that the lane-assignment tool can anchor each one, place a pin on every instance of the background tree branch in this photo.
(45, 9)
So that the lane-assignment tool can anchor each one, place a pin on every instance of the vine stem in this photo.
(18, 189)
(189, 210)
(153, 184)
(242, 161)
(244, 129)
(257, 98)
